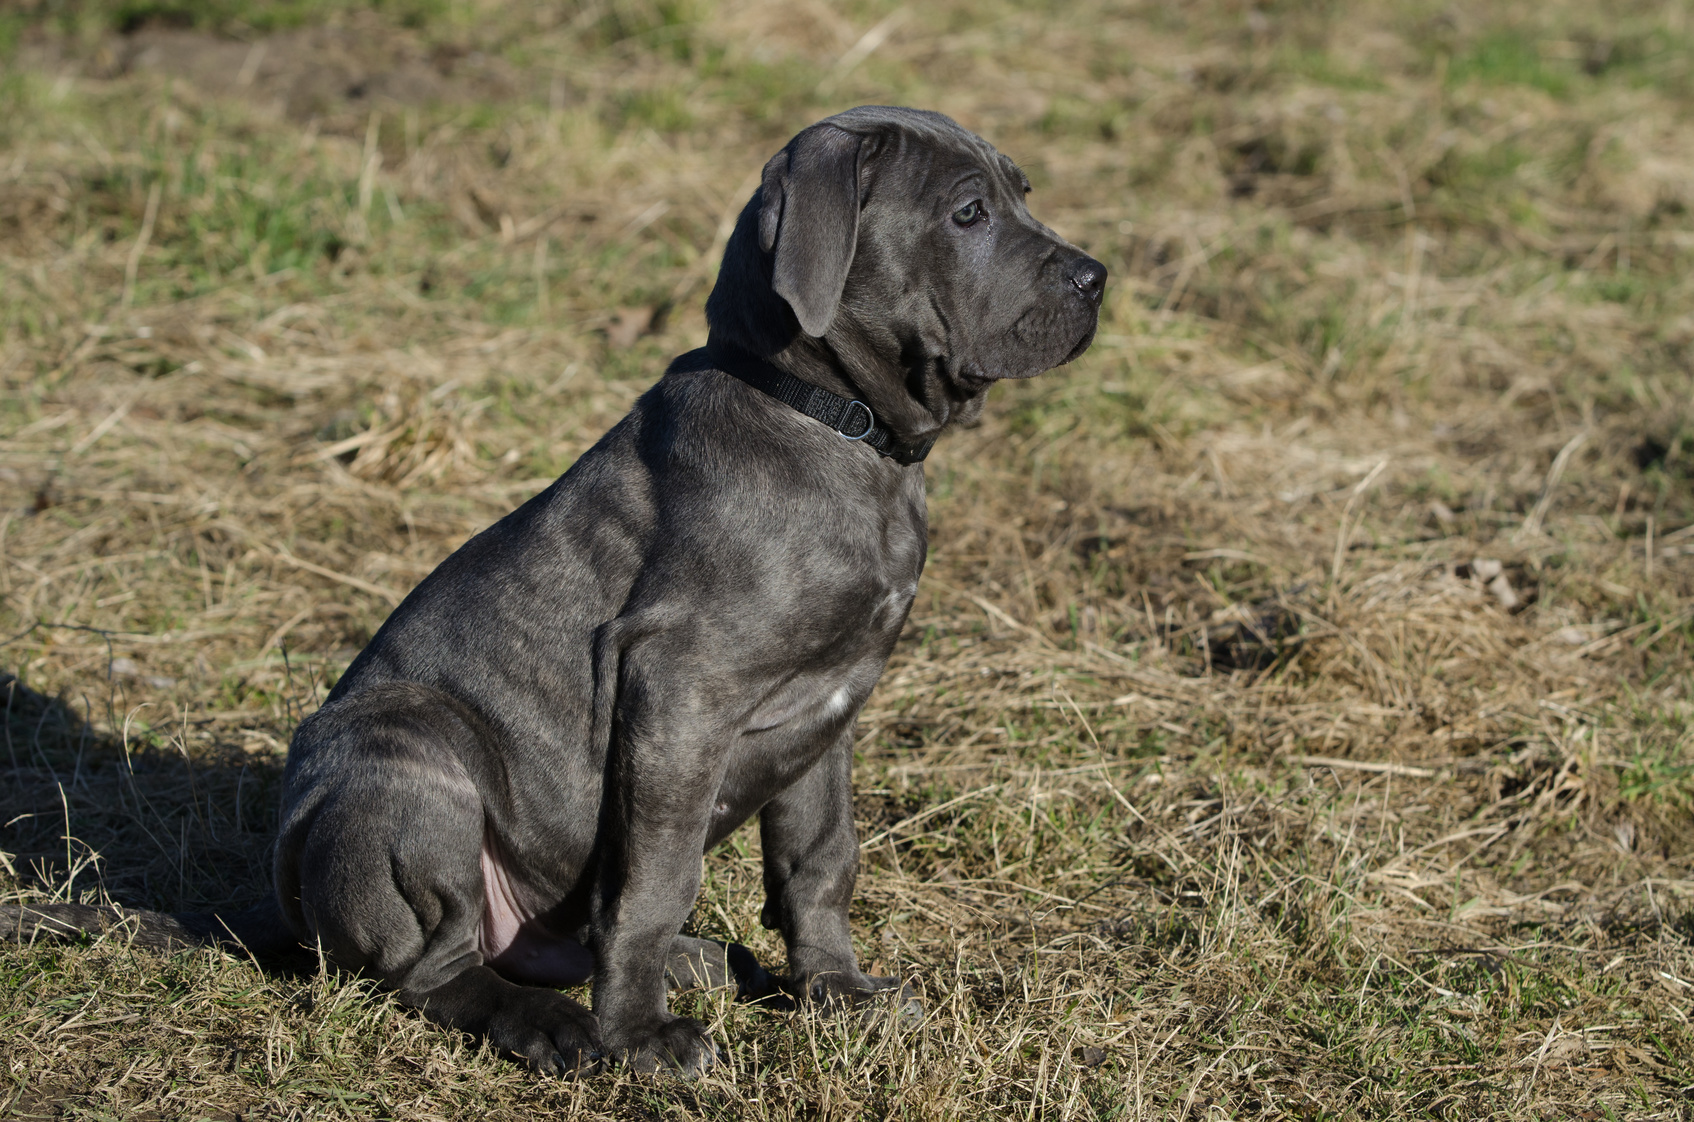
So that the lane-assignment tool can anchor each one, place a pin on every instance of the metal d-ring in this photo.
(870, 420)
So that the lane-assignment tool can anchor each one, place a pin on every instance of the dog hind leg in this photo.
(709, 964)
(386, 862)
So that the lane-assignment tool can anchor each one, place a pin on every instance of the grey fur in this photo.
(679, 632)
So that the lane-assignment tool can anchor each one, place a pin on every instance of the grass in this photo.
(1294, 719)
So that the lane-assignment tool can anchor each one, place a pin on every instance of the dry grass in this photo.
(1294, 721)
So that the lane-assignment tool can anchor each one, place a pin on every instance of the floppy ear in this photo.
(810, 214)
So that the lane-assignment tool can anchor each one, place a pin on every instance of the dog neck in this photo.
(886, 389)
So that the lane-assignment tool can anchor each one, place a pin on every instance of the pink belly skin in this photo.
(517, 945)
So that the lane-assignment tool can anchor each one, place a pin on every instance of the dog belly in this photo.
(516, 943)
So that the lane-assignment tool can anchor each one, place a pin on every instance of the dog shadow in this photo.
(132, 818)
(138, 821)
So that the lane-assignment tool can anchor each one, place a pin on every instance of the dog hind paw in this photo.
(555, 1037)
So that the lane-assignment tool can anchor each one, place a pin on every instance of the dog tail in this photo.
(260, 931)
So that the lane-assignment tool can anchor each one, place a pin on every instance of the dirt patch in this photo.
(312, 72)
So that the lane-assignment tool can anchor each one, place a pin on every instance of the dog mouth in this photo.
(974, 376)
(1035, 332)
(1082, 344)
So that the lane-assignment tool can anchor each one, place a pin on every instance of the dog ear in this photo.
(809, 213)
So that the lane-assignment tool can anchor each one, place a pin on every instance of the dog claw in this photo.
(560, 1067)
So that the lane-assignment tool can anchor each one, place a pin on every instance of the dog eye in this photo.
(969, 214)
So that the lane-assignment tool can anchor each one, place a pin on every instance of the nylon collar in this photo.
(853, 420)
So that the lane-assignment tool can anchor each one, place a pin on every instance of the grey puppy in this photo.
(510, 788)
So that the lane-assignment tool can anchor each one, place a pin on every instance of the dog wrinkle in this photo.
(802, 696)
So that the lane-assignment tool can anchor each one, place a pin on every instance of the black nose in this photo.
(1089, 276)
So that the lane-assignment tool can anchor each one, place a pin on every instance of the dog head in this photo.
(895, 246)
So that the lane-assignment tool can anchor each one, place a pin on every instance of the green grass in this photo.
(1509, 56)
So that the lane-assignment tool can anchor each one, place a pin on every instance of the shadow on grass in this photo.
(132, 817)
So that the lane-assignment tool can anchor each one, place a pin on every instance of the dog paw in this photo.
(553, 1035)
(873, 995)
(905, 1006)
(680, 1046)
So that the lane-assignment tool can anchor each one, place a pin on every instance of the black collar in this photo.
(852, 419)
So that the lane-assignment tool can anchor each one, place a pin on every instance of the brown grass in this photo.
(1294, 718)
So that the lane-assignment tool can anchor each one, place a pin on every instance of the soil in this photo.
(313, 72)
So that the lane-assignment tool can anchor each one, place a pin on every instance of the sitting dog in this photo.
(511, 787)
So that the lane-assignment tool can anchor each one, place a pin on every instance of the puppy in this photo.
(511, 787)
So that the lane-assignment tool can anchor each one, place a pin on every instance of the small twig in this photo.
(250, 65)
(1205, 1047)
(1360, 765)
(995, 612)
(1345, 531)
(108, 424)
(1532, 524)
(867, 44)
(706, 265)
(133, 266)
(371, 162)
(930, 813)
(388, 594)
(540, 269)
(1223, 554)
(38, 624)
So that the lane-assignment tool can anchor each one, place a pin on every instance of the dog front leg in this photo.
(663, 772)
(811, 853)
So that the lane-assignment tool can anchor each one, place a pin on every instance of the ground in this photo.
(1294, 720)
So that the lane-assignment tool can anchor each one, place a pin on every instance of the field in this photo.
(1295, 719)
